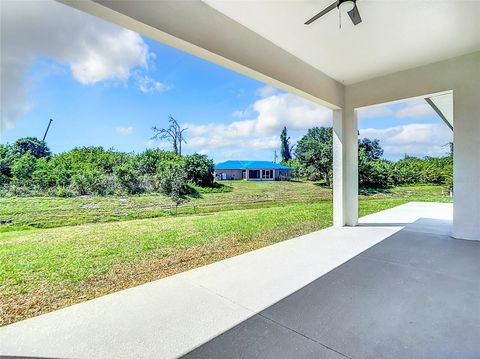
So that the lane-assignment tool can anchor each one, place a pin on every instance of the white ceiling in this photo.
(394, 34)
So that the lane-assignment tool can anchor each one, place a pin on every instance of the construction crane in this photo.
(45, 135)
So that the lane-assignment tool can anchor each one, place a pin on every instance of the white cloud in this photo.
(124, 131)
(243, 154)
(262, 132)
(413, 139)
(93, 49)
(375, 111)
(410, 109)
(241, 113)
(297, 113)
(415, 110)
(266, 91)
(150, 144)
(147, 84)
(154, 144)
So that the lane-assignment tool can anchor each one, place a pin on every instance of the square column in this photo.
(466, 163)
(345, 168)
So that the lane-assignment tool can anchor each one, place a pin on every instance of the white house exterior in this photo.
(252, 171)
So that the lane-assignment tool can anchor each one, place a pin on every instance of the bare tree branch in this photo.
(173, 134)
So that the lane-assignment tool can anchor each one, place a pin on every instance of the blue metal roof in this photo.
(233, 165)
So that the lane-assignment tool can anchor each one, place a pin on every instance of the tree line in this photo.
(28, 167)
(312, 158)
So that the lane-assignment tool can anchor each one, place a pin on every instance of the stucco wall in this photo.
(461, 75)
(231, 174)
(236, 174)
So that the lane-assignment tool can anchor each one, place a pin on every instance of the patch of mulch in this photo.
(18, 307)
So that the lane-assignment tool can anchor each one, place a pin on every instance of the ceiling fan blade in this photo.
(355, 16)
(321, 13)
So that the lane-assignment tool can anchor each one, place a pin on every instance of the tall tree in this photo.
(371, 148)
(314, 153)
(33, 145)
(174, 134)
(285, 146)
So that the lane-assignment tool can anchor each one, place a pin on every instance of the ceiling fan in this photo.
(348, 6)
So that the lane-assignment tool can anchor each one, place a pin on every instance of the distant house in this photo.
(252, 171)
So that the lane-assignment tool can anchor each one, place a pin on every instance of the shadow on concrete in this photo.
(413, 295)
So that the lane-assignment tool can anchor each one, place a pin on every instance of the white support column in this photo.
(345, 168)
(466, 162)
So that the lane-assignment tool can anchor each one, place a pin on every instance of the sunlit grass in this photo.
(38, 263)
(47, 212)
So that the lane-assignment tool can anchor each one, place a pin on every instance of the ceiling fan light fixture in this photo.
(346, 6)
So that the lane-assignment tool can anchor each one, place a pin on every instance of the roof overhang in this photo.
(394, 35)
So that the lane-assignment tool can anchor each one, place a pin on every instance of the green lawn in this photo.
(54, 252)
(46, 212)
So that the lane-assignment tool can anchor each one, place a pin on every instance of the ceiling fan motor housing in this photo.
(346, 5)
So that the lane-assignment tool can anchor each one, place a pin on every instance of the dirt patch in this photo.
(48, 298)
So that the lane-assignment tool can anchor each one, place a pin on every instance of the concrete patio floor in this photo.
(395, 286)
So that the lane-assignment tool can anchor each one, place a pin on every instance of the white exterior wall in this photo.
(345, 168)
(466, 162)
(462, 76)
(232, 174)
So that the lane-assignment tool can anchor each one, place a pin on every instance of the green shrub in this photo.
(129, 178)
(31, 145)
(64, 192)
(376, 174)
(6, 159)
(92, 182)
(199, 169)
(431, 170)
(23, 168)
(373, 173)
(171, 178)
(4, 180)
(149, 161)
(44, 176)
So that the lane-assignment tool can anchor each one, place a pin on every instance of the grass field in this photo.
(46, 212)
(58, 251)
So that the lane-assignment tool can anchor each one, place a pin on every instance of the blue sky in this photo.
(113, 87)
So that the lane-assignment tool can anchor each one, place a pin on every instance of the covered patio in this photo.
(396, 286)
(400, 283)
(412, 295)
